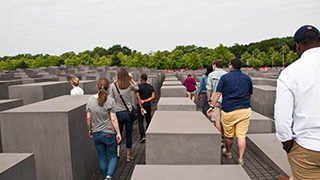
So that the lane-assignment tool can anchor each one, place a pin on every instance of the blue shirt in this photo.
(203, 83)
(236, 88)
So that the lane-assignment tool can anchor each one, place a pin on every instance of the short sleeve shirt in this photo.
(100, 116)
(236, 89)
(145, 91)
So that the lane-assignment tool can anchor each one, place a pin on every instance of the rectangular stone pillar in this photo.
(35, 92)
(189, 172)
(173, 91)
(56, 131)
(182, 138)
(176, 104)
(260, 123)
(17, 166)
(263, 99)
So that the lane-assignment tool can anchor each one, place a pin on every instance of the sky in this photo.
(58, 26)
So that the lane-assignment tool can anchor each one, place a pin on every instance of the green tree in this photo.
(245, 59)
(291, 57)
(103, 61)
(139, 60)
(277, 59)
(193, 61)
(85, 59)
(73, 61)
(158, 60)
(223, 53)
(45, 62)
(176, 59)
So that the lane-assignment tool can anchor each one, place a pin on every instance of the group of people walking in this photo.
(225, 99)
(107, 115)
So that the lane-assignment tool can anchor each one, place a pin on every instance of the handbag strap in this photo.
(122, 98)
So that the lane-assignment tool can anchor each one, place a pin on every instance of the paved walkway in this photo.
(256, 168)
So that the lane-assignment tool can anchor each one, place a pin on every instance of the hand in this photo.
(142, 101)
(199, 97)
(287, 145)
(142, 110)
(118, 138)
(209, 102)
(90, 134)
(130, 75)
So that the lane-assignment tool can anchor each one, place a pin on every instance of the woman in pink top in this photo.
(190, 83)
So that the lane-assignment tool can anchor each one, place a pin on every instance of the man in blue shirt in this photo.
(236, 89)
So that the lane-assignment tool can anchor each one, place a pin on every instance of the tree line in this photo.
(271, 52)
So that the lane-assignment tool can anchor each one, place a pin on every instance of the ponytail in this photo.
(102, 96)
(102, 85)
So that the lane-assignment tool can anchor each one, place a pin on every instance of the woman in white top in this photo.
(76, 90)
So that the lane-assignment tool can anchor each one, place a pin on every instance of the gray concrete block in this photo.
(6, 104)
(182, 138)
(4, 88)
(56, 131)
(171, 83)
(176, 104)
(36, 92)
(264, 81)
(269, 148)
(173, 91)
(260, 123)
(38, 80)
(263, 99)
(189, 172)
(89, 86)
(171, 78)
(17, 166)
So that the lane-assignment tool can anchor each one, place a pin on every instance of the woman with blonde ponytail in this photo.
(125, 85)
(103, 128)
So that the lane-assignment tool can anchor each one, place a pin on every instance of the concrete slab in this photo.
(17, 166)
(171, 78)
(4, 88)
(269, 148)
(176, 104)
(36, 92)
(6, 104)
(55, 130)
(182, 138)
(263, 99)
(189, 172)
(171, 83)
(89, 86)
(264, 81)
(173, 91)
(260, 123)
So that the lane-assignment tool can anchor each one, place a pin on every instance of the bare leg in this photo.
(229, 142)
(241, 147)
(192, 97)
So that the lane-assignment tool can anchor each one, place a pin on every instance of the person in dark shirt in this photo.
(236, 89)
(145, 95)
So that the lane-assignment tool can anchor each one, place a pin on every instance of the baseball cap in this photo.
(299, 35)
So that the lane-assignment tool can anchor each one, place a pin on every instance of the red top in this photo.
(190, 84)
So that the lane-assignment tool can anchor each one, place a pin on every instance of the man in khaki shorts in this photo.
(212, 83)
(236, 89)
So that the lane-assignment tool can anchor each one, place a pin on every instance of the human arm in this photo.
(115, 124)
(149, 99)
(140, 103)
(201, 86)
(89, 123)
(215, 98)
(283, 113)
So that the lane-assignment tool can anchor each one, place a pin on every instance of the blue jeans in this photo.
(124, 119)
(204, 103)
(106, 142)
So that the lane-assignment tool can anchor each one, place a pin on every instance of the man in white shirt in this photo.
(297, 107)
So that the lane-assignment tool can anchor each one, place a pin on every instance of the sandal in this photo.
(129, 159)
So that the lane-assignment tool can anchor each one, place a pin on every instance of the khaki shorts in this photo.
(305, 163)
(216, 115)
(236, 123)
(191, 93)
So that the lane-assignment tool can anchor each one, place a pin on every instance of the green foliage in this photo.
(190, 56)
(223, 53)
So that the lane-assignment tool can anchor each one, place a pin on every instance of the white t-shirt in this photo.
(76, 91)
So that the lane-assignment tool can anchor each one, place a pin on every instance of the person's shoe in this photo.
(228, 155)
(240, 162)
(142, 140)
(281, 177)
(108, 178)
